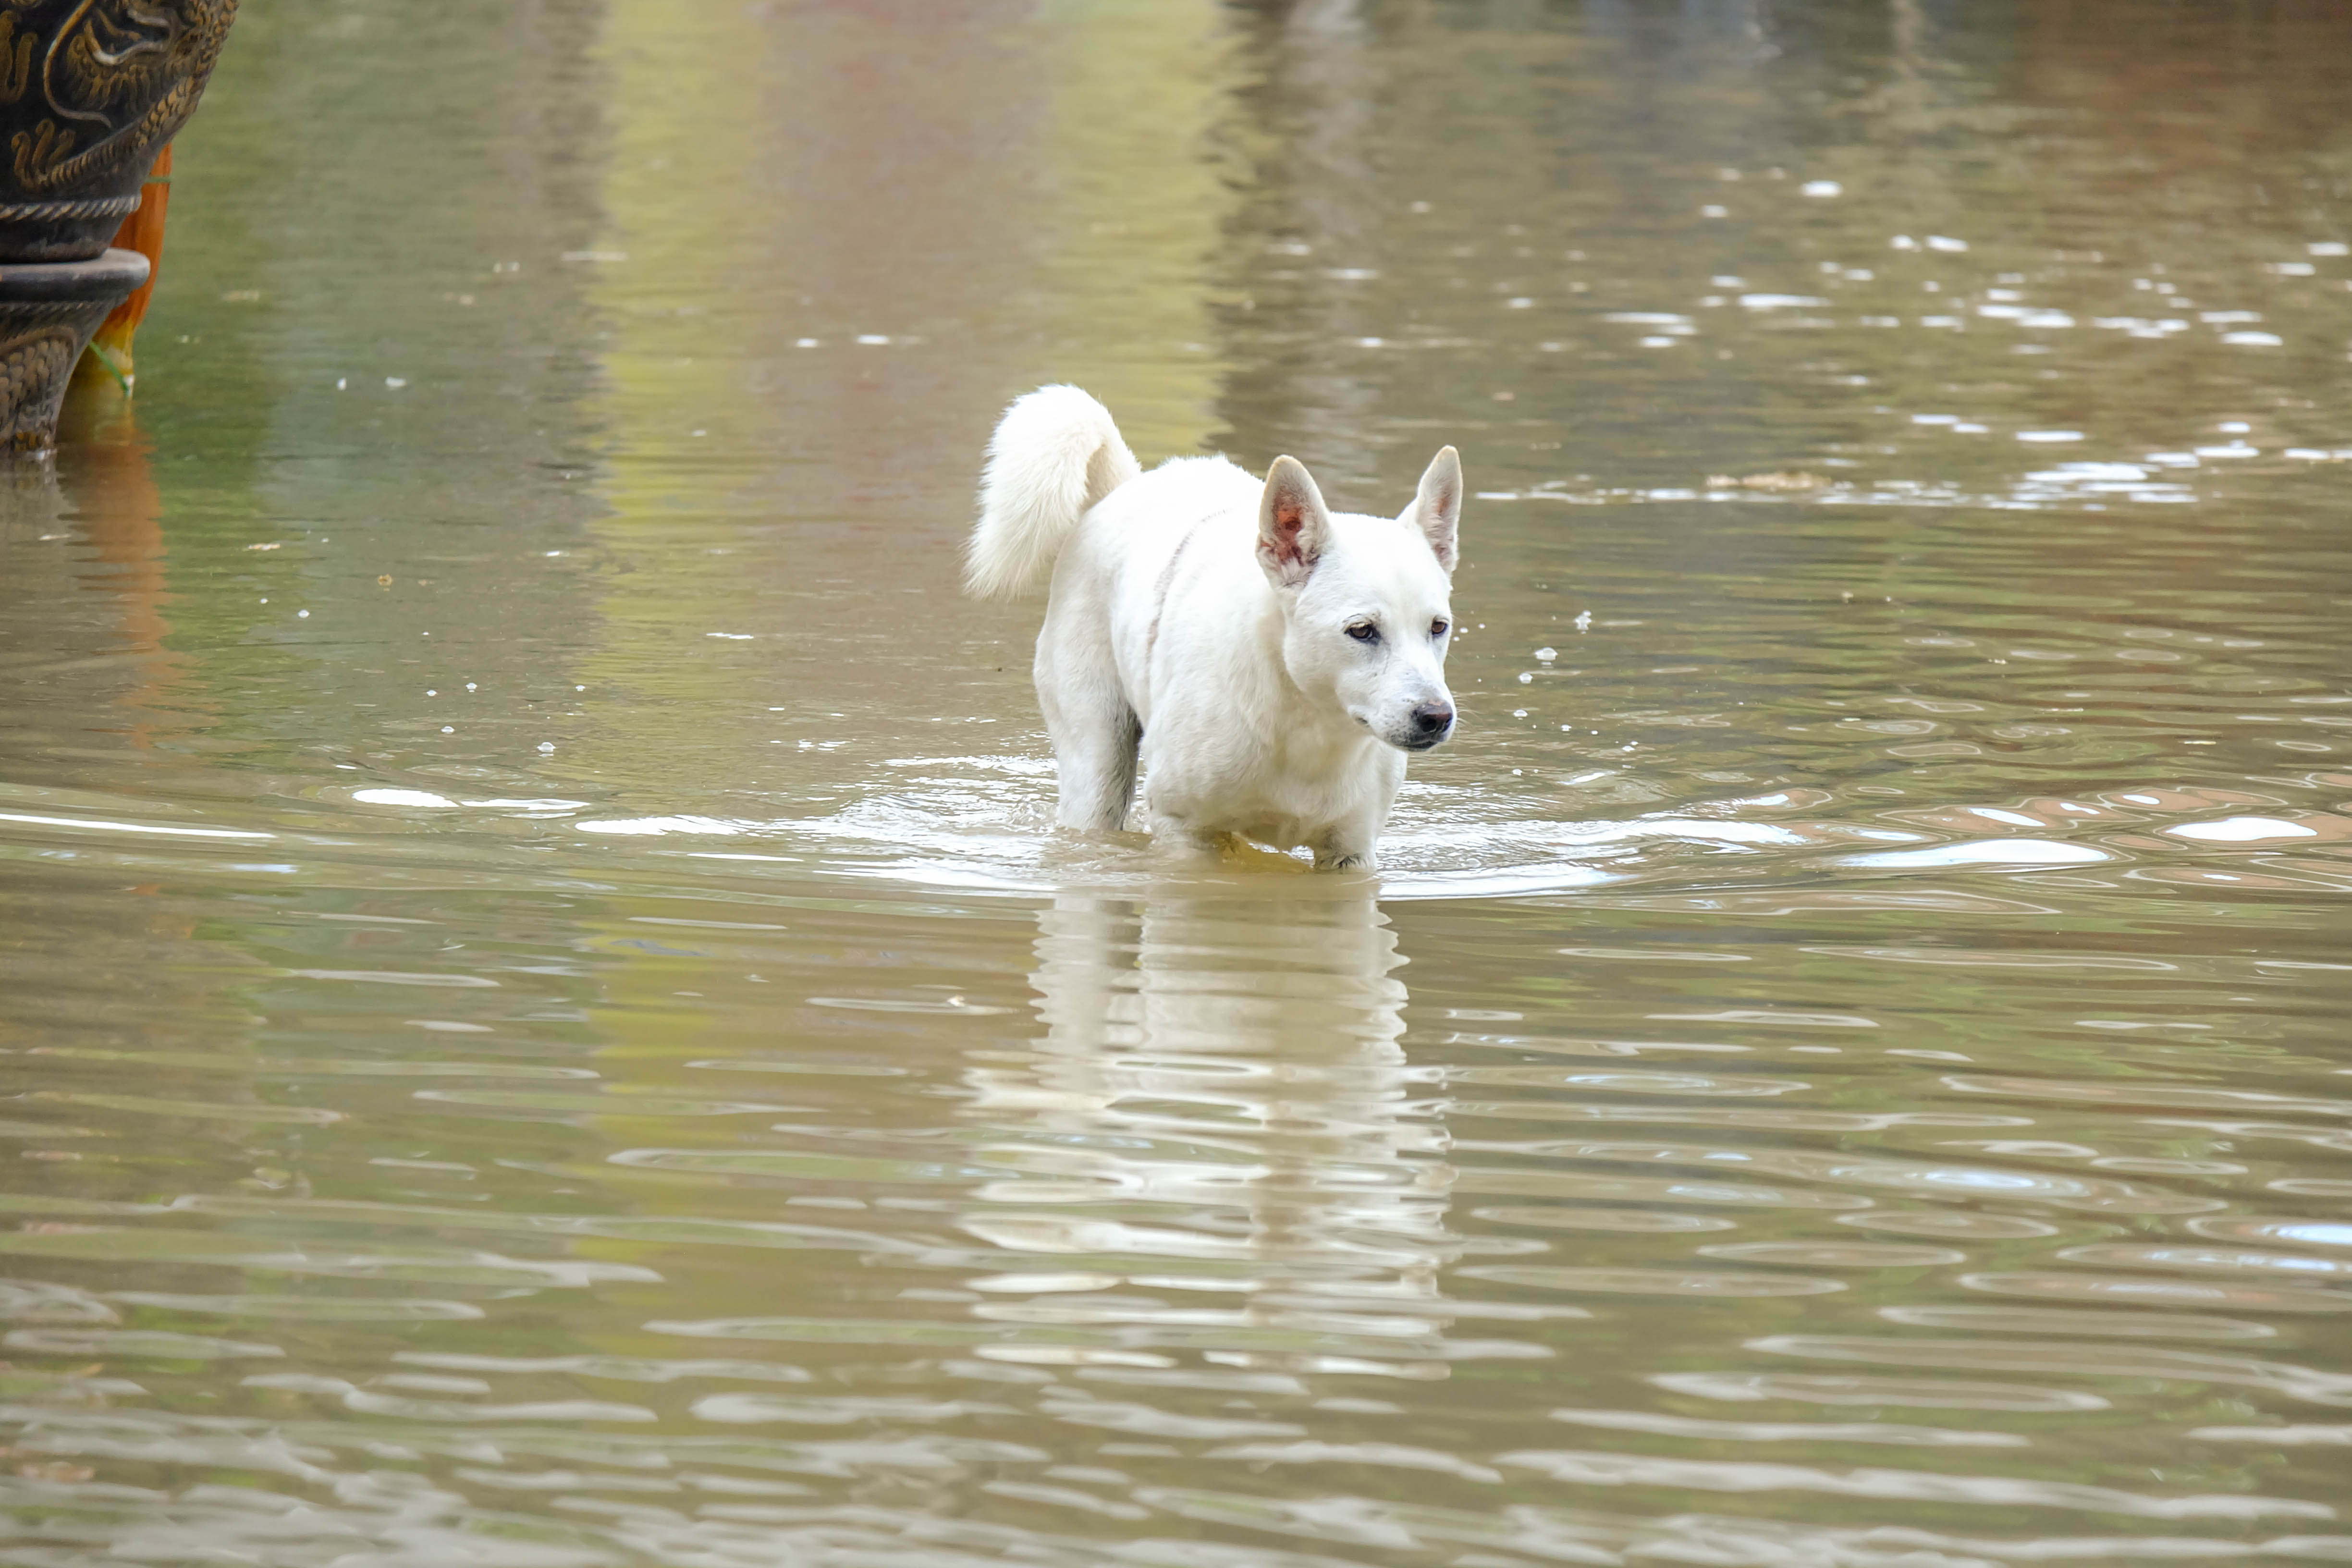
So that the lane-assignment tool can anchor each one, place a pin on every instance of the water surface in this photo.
(544, 1022)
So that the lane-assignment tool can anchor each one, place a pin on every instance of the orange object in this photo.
(142, 231)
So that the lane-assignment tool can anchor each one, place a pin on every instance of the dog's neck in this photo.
(1307, 731)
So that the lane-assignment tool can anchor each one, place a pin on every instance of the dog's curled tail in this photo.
(1055, 453)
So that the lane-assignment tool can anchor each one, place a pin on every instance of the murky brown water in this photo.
(544, 1025)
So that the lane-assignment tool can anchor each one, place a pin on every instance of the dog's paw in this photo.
(1366, 861)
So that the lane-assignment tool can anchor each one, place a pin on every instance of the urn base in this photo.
(48, 312)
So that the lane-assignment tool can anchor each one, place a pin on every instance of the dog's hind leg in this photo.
(1096, 735)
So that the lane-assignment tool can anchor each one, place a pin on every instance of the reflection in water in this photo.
(118, 500)
(1222, 1070)
(103, 484)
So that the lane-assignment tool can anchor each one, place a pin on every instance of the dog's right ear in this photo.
(1293, 524)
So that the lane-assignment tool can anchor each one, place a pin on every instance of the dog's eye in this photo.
(1437, 628)
(1364, 631)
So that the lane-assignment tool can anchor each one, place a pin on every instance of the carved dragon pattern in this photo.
(34, 366)
(16, 58)
(130, 69)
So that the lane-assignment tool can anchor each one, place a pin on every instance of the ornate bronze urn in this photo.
(90, 91)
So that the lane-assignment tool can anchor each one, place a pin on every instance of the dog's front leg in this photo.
(1348, 846)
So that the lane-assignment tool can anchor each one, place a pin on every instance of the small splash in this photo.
(657, 827)
(1985, 852)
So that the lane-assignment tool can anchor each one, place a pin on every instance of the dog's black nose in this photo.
(1433, 718)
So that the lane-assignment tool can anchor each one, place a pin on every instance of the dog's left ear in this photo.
(1293, 525)
(1437, 509)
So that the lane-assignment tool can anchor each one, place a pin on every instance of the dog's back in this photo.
(1054, 455)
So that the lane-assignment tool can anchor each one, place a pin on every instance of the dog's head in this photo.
(1365, 599)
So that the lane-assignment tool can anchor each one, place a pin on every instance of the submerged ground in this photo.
(543, 1023)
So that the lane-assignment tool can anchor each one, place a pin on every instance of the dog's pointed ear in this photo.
(1437, 509)
(1293, 524)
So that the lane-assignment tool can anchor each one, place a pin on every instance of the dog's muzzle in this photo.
(1426, 725)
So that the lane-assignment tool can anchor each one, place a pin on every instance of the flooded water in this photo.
(544, 1024)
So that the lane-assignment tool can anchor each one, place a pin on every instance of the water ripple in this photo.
(1587, 1468)
(2078, 1359)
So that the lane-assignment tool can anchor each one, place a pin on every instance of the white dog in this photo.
(1271, 660)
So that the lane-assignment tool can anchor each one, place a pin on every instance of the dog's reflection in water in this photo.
(1228, 1158)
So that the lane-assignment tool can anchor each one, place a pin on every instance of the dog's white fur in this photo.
(1269, 660)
